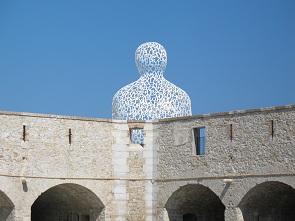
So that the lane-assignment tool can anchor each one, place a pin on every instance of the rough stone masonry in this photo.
(62, 168)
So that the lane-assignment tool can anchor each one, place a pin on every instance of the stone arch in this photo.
(67, 202)
(6, 207)
(194, 202)
(269, 201)
(168, 189)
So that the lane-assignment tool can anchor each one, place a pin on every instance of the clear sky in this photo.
(70, 57)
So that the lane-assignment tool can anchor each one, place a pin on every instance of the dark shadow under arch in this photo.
(67, 202)
(269, 201)
(6, 206)
(194, 202)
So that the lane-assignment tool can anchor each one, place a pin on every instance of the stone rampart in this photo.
(243, 149)
(70, 168)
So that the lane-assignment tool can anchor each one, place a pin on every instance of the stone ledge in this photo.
(25, 114)
(236, 112)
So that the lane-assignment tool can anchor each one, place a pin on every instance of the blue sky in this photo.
(70, 57)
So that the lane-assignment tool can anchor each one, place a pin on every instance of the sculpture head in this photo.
(151, 58)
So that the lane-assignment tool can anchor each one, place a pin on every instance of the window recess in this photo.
(200, 140)
(137, 136)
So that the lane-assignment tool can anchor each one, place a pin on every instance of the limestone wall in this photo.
(90, 168)
(38, 152)
(47, 158)
(252, 148)
(243, 149)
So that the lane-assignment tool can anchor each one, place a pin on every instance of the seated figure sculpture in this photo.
(151, 97)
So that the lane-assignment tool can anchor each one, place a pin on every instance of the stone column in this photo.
(20, 214)
(233, 214)
(151, 161)
(120, 154)
(239, 214)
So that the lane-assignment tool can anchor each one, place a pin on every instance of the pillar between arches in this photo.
(233, 214)
(20, 214)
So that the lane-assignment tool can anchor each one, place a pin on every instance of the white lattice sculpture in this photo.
(151, 97)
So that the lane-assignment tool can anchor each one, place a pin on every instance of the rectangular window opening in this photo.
(200, 140)
(137, 136)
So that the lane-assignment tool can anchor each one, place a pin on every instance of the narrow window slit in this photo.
(24, 132)
(272, 128)
(70, 136)
(231, 132)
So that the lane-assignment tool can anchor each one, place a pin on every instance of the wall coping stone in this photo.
(218, 114)
(25, 114)
(230, 113)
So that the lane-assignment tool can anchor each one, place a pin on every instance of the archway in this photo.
(269, 201)
(194, 202)
(6, 207)
(67, 202)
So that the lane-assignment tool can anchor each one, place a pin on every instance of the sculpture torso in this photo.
(151, 97)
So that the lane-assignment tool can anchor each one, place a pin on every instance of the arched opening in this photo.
(6, 207)
(269, 201)
(67, 202)
(194, 202)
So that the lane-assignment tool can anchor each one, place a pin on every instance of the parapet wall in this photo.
(243, 149)
(39, 151)
(42, 145)
(259, 141)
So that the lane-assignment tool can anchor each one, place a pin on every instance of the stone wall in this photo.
(243, 149)
(38, 152)
(91, 169)
(252, 148)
